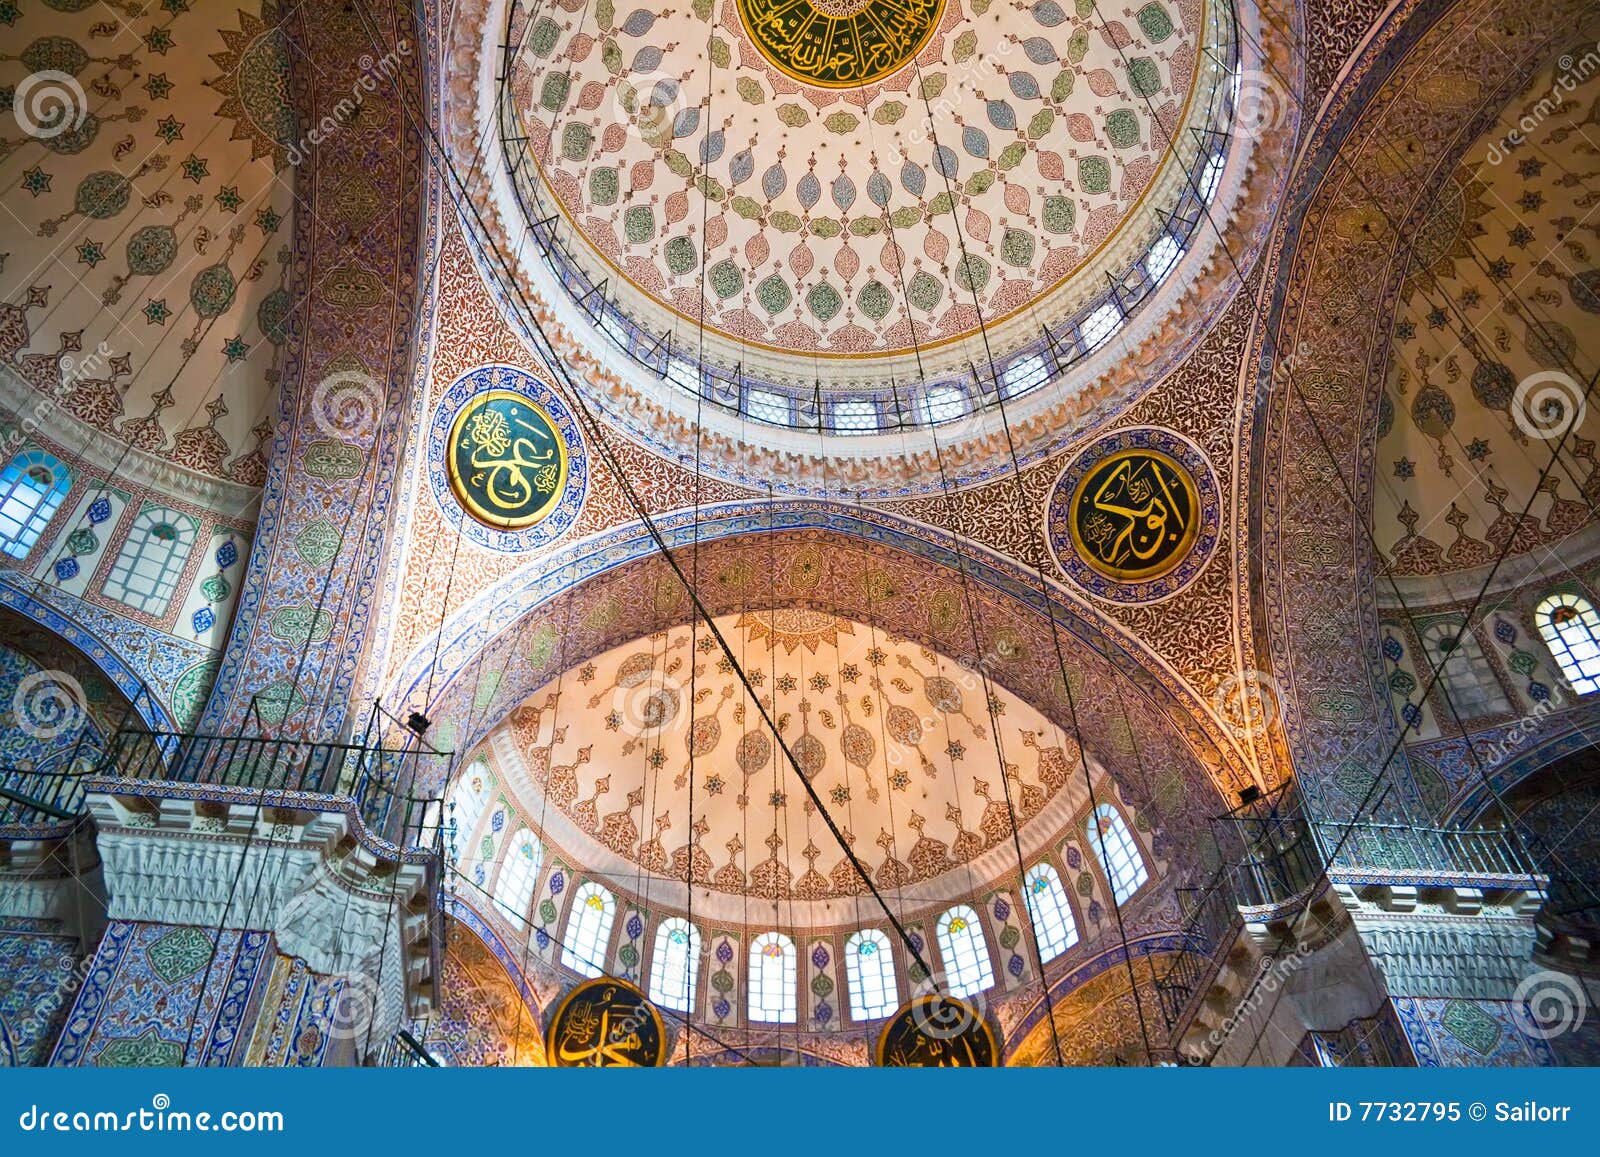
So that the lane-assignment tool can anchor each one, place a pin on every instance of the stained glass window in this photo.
(1571, 629)
(965, 952)
(1048, 909)
(1112, 844)
(519, 871)
(869, 969)
(32, 487)
(675, 964)
(583, 948)
(772, 979)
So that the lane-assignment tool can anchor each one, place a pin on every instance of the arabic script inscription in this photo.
(607, 1023)
(508, 464)
(1135, 515)
(840, 43)
(937, 1032)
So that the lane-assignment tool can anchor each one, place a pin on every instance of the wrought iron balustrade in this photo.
(32, 798)
(1427, 853)
(387, 785)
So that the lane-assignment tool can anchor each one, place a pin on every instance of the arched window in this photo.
(1571, 629)
(467, 801)
(675, 964)
(145, 575)
(965, 952)
(772, 979)
(519, 871)
(32, 487)
(583, 948)
(1053, 925)
(869, 968)
(1466, 677)
(1112, 844)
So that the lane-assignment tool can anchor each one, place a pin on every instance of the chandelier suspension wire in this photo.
(468, 212)
(1435, 669)
(1469, 337)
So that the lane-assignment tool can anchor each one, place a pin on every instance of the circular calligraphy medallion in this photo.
(506, 459)
(840, 43)
(937, 1032)
(508, 465)
(606, 1023)
(1134, 516)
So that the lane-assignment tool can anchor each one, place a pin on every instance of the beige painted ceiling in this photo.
(147, 245)
(897, 741)
(1504, 294)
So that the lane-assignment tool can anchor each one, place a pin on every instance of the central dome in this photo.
(839, 194)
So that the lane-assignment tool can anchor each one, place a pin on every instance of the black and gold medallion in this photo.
(507, 461)
(1135, 515)
(606, 1023)
(840, 43)
(937, 1032)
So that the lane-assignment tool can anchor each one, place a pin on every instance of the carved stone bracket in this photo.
(303, 868)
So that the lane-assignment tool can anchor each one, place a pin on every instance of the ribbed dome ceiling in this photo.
(825, 228)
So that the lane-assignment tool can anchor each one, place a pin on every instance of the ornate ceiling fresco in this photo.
(142, 281)
(1504, 278)
(1350, 298)
(971, 180)
(656, 747)
(832, 199)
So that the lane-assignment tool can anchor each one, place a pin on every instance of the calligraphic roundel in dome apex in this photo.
(853, 179)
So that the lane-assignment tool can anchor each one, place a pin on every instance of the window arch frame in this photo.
(32, 515)
(456, 813)
(1056, 931)
(1578, 660)
(523, 880)
(873, 995)
(1130, 872)
(1470, 684)
(662, 956)
(759, 1006)
(169, 559)
(584, 939)
(964, 951)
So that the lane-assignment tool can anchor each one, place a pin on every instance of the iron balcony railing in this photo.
(385, 784)
(1433, 852)
(32, 798)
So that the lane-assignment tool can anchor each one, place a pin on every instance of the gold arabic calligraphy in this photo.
(1134, 515)
(606, 1024)
(508, 465)
(925, 1035)
(840, 43)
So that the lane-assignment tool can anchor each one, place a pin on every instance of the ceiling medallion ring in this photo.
(1135, 516)
(840, 43)
(506, 459)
